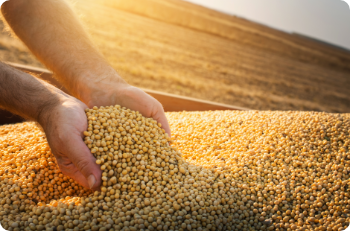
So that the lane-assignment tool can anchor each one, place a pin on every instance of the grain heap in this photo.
(288, 170)
(238, 171)
(30, 179)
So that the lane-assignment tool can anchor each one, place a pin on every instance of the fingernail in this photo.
(91, 181)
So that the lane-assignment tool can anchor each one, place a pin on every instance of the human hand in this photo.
(64, 125)
(115, 91)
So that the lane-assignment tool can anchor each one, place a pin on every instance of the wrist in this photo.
(49, 108)
(95, 88)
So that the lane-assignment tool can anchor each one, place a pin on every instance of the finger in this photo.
(84, 161)
(69, 169)
(156, 112)
(161, 118)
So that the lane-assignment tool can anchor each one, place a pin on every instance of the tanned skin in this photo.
(55, 36)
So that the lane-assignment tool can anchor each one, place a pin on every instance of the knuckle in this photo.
(83, 165)
(67, 168)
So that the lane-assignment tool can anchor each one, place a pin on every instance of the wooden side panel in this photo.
(170, 102)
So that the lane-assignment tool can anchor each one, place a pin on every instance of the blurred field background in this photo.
(180, 48)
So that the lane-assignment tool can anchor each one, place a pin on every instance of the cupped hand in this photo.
(116, 92)
(64, 125)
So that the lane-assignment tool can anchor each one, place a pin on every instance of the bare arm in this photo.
(61, 116)
(25, 95)
(54, 34)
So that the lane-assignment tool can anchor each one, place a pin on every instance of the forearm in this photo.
(27, 96)
(54, 34)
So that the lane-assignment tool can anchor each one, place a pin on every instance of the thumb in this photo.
(84, 161)
(161, 118)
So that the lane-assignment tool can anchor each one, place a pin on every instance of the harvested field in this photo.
(180, 48)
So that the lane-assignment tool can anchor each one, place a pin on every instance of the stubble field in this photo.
(180, 48)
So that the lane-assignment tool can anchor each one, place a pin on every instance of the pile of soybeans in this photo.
(222, 170)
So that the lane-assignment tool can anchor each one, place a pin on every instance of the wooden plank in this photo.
(170, 102)
(173, 102)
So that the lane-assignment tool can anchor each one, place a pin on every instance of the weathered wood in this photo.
(170, 102)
